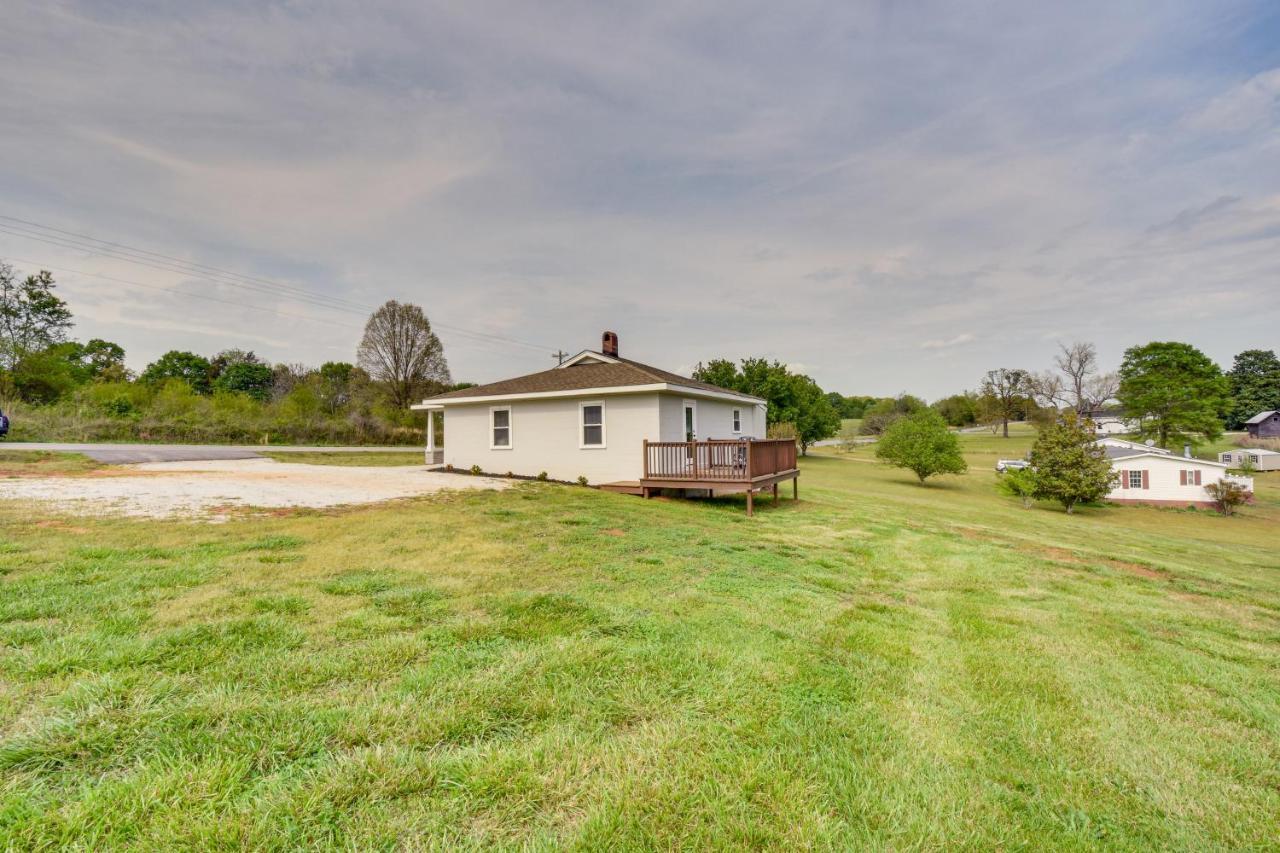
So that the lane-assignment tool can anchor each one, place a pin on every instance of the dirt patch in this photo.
(1139, 570)
(613, 531)
(216, 489)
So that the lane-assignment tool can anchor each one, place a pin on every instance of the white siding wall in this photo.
(1165, 482)
(713, 419)
(545, 437)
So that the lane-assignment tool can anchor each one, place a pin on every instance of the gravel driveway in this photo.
(212, 488)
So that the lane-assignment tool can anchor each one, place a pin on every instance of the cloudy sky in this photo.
(892, 196)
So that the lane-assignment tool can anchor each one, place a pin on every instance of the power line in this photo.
(173, 290)
(26, 229)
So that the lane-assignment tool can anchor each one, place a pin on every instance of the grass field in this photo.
(877, 665)
(369, 458)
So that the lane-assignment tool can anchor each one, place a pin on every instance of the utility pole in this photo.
(560, 355)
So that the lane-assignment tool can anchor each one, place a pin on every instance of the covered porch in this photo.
(716, 466)
(434, 454)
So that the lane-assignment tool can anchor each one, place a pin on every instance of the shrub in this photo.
(1018, 483)
(1227, 495)
(582, 480)
(542, 475)
(475, 470)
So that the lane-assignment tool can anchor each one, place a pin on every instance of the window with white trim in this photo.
(737, 420)
(1253, 457)
(591, 424)
(500, 428)
(1135, 479)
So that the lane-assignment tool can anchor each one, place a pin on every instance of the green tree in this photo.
(104, 361)
(812, 413)
(334, 385)
(45, 376)
(1070, 467)
(1254, 380)
(244, 377)
(878, 417)
(32, 317)
(958, 410)
(922, 443)
(176, 364)
(1004, 393)
(793, 398)
(1175, 392)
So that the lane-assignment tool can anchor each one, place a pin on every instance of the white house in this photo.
(1111, 422)
(591, 417)
(1149, 475)
(1261, 460)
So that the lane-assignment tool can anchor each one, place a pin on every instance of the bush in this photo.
(475, 470)
(582, 480)
(542, 475)
(1018, 483)
(1227, 495)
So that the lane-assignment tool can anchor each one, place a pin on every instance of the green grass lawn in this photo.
(42, 463)
(368, 458)
(877, 665)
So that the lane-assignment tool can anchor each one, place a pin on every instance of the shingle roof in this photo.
(575, 377)
(1260, 417)
(1124, 452)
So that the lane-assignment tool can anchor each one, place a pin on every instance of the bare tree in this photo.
(1006, 388)
(1078, 363)
(1100, 389)
(400, 351)
(1048, 389)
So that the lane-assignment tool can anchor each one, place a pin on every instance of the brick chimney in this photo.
(609, 344)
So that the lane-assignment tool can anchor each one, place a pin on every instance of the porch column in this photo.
(431, 436)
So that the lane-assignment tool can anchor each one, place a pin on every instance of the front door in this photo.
(690, 425)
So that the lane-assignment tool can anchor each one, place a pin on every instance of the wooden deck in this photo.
(718, 467)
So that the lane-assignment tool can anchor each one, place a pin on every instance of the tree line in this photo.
(1171, 391)
(84, 390)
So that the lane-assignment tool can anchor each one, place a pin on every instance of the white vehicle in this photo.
(1003, 465)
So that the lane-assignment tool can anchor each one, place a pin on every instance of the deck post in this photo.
(646, 463)
(775, 494)
(750, 503)
(795, 488)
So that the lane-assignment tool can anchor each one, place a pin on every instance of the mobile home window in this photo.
(737, 420)
(1135, 479)
(592, 424)
(500, 422)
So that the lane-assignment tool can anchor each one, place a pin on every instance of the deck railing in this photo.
(729, 460)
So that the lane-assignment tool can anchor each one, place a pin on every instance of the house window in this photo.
(737, 420)
(592, 424)
(1253, 457)
(1135, 479)
(500, 428)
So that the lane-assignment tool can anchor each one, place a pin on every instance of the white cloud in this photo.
(948, 343)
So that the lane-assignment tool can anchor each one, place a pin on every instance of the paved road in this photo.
(123, 454)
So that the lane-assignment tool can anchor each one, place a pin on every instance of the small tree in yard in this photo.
(1070, 466)
(922, 443)
(1227, 496)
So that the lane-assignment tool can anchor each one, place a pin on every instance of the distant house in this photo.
(1263, 425)
(1110, 421)
(1261, 460)
(1150, 475)
(623, 425)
